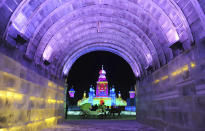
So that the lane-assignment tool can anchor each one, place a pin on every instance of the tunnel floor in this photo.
(102, 125)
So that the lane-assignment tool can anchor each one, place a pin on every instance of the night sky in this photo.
(85, 72)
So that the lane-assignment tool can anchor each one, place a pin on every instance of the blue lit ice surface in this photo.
(102, 94)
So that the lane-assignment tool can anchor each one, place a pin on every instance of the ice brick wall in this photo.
(202, 4)
(173, 98)
(28, 101)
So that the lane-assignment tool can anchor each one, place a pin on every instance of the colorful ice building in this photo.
(102, 94)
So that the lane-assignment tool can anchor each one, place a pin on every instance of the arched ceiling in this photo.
(140, 31)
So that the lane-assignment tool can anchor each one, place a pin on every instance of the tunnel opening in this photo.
(84, 74)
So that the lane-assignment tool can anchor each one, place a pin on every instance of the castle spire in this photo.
(102, 74)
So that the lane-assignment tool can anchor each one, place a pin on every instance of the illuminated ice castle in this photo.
(102, 94)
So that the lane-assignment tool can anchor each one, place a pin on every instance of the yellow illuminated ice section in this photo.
(180, 70)
(3, 129)
(21, 118)
(185, 68)
(51, 121)
(51, 84)
(176, 72)
(156, 81)
(25, 105)
(51, 101)
(32, 98)
(61, 88)
(18, 128)
(192, 64)
(60, 101)
(165, 77)
(11, 95)
(35, 126)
